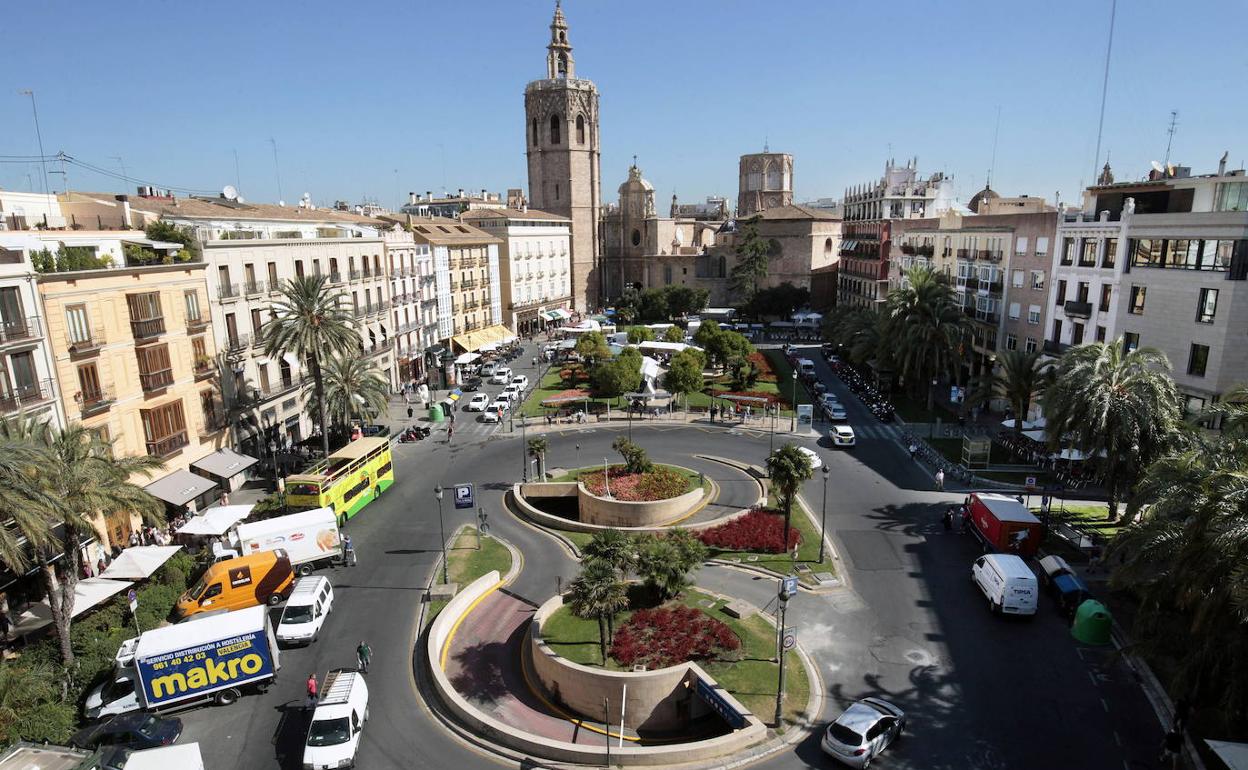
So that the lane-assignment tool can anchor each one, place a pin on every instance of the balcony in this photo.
(470, 283)
(96, 401)
(194, 325)
(360, 311)
(204, 369)
(147, 329)
(1076, 309)
(354, 275)
(229, 291)
(238, 342)
(25, 396)
(257, 340)
(19, 331)
(989, 255)
(964, 253)
(383, 306)
(168, 445)
(906, 248)
(280, 388)
(925, 251)
(1055, 348)
(89, 346)
(213, 424)
(334, 277)
(152, 382)
(992, 287)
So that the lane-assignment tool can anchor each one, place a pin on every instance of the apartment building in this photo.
(27, 374)
(1161, 263)
(414, 302)
(451, 206)
(535, 264)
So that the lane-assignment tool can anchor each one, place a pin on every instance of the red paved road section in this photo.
(484, 667)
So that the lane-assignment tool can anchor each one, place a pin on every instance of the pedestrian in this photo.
(1171, 748)
(100, 566)
(348, 550)
(364, 654)
(914, 449)
(1182, 710)
(409, 411)
(940, 480)
(450, 430)
(948, 519)
(311, 703)
(134, 538)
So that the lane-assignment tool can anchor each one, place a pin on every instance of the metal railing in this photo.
(148, 328)
(95, 401)
(157, 380)
(335, 277)
(20, 330)
(167, 445)
(196, 324)
(238, 342)
(1055, 348)
(92, 344)
(1078, 309)
(354, 275)
(254, 288)
(24, 396)
(229, 291)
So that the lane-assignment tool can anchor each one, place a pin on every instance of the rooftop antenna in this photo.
(125, 178)
(1100, 126)
(237, 178)
(277, 170)
(996, 132)
(766, 145)
(43, 160)
(1174, 122)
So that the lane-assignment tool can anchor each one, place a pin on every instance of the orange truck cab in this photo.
(246, 581)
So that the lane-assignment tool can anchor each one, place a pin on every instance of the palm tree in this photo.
(663, 565)
(22, 501)
(1109, 401)
(354, 389)
(537, 448)
(614, 547)
(788, 469)
(1018, 379)
(84, 479)
(930, 325)
(598, 594)
(313, 324)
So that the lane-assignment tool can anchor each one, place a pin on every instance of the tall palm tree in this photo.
(1107, 400)
(537, 448)
(869, 335)
(354, 389)
(598, 594)
(1018, 378)
(313, 324)
(930, 327)
(788, 469)
(22, 501)
(614, 547)
(84, 479)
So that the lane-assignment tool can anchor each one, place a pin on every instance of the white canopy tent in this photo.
(87, 593)
(216, 521)
(807, 319)
(588, 325)
(140, 561)
(466, 358)
(1234, 755)
(1034, 435)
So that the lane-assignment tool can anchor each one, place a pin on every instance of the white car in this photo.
(829, 399)
(478, 403)
(522, 381)
(338, 721)
(508, 397)
(310, 601)
(842, 435)
(816, 462)
(861, 733)
(513, 389)
(501, 375)
(495, 411)
(836, 412)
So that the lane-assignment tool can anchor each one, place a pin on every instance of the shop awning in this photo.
(225, 463)
(180, 487)
(471, 342)
(140, 561)
(467, 358)
(215, 521)
(87, 594)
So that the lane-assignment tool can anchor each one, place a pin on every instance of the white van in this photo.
(1007, 582)
(310, 601)
(338, 721)
(806, 366)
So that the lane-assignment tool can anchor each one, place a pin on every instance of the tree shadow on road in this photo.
(480, 675)
(290, 735)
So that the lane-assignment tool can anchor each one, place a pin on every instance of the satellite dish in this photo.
(1158, 167)
(282, 204)
(240, 199)
(229, 192)
(307, 196)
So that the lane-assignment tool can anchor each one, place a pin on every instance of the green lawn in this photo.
(782, 563)
(435, 607)
(1086, 516)
(466, 563)
(751, 680)
(549, 386)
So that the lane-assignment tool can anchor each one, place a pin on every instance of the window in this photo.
(1042, 246)
(1111, 252)
(1082, 294)
(1233, 196)
(263, 370)
(534, 132)
(76, 324)
(1106, 291)
(1137, 300)
(1020, 246)
(1100, 334)
(580, 129)
(1068, 250)
(164, 429)
(1130, 341)
(1016, 280)
(257, 323)
(1030, 345)
(1033, 314)
(1061, 293)
(1087, 255)
(1037, 279)
(554, 132)
(667, 274)
(1207, 306)
(89, 390)
(556, 191)
(200, 352)
(1015, 310)
(299, 268)
(155, 369)
(223, 281)
(208, 405)
(1057, 330)
(273, 281)
(193, 315)
(1011, 342)
(1181, 253)
(1197, 360)
(1076, 334)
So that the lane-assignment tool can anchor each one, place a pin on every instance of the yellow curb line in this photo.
(446, 646)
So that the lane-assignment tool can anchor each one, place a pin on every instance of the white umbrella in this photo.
(1035, 435)
(140, 561)
(216, 521)
(1235, 755)
(87, 593)
(1027, 424)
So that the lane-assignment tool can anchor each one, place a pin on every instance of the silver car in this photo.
(863, 731)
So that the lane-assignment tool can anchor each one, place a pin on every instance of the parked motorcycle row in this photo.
(876, 403)
(414, 433)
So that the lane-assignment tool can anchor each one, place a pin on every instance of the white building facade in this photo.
(27, 371)
(535, 264)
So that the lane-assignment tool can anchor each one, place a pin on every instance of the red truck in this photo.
(1004, 524)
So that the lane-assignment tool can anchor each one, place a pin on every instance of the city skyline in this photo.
(397, 109)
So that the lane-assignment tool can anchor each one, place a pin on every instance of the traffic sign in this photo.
(789, 640)
(133, 599)
(788, 586)
(464, 497)
(1030, 483)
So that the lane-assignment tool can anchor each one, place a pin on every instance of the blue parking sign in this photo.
(464, 497)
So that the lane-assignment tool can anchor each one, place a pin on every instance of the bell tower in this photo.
(561, 139)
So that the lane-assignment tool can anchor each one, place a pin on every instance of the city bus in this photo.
(349, 480)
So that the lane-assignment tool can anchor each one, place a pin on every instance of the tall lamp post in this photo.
(578, 455)
(793, 405)
(775, 410)
(437, 492)
(823, 521)
(524, 450)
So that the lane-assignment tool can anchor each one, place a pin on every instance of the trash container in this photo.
(435, 413)
(1092, 623)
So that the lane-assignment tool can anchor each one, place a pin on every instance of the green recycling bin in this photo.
(1092, 623)
(435, 413)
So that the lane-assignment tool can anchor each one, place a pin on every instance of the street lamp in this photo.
(823, 522)
(524, 450)
(578, 455)
(793, 404)
(437, 492)
(606, 476)
(931, 395)
(775, 410)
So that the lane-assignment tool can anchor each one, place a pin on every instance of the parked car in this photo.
(863, 731)
(815, 461)
(338, 721)
(310, 602)
(472, 385)
(843, 435)
(508, 396)
(479, 402)
(501, 375)
(138, 730)
(828, 399)
(522, 381)
(836, 412)
(496, 411)
(1007, 582)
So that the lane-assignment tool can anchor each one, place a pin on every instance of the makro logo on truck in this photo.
(236, 660)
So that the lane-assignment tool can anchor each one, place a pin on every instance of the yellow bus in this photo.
(350, 479)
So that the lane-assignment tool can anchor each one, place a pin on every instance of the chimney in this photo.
(411, 198)
(461, 193)
(1222, 163)
(484, 195)
(428, 195)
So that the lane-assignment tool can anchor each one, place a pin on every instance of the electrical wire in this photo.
(130, 178)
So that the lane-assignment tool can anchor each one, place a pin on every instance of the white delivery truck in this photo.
(310, 539)
(214, 658)
(184, 756)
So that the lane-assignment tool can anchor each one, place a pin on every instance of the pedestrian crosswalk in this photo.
(877, 430)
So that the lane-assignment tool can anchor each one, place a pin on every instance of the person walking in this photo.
(948, 519)
(450, 432)
(348, 550)
(940, 480)
(364, 654)
(1171, 748)
(914, 449)
(311, 704)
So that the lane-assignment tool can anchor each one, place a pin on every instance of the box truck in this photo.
(212, 659)
(310, 539)
(1003, 523)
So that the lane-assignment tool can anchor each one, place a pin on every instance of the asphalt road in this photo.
(980, 692)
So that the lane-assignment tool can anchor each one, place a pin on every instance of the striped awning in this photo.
(471, 342)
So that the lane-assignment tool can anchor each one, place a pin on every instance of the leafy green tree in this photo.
(742, 372)
(727, 345)
(614, 547)
(635, 458)
(25, 504)
(652, 305)
(312, 323)
(598, 594)
(753, 262)
(684, 373)
(639, 334)
(707, 331)
(355, 390)
(626, 305)
(168, 232)
(592, 348)
(1019, 378)
(674, 334)
(930, 326)
(31, 708)
(663, 566)
(537, 448)
(691, 550)
(1104, 399)
(788, 469)
(778, 301)
(614, 377)
(685, 300)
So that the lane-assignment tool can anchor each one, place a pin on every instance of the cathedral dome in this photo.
(635, 182)
(985, 194)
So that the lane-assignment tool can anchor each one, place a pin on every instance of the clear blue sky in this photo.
(434, 91)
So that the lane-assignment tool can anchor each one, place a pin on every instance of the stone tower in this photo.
(766, 182)
(561, 130)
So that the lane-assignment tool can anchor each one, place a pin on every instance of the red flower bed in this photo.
(670, 635)
(659, 484)
(766, 373)
(565, 397)
(759, 530)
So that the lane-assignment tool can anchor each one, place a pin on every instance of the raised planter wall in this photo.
(608, 512)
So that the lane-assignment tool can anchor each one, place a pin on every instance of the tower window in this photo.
(556, 191)
(563, 65)
(554, 128)
(636, 237)
(534, 132)
(580, 129)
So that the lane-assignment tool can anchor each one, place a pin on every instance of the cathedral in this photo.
(561, 130)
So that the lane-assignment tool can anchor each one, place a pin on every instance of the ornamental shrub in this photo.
(669, 635)
(759, 530)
